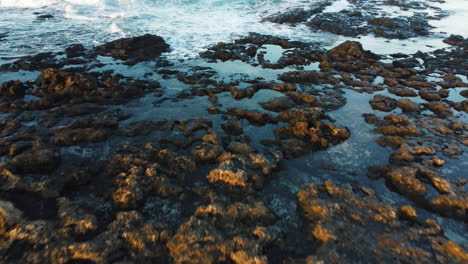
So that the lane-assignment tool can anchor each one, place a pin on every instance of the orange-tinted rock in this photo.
(407, 212)
(218, 233)
(405, 182)
(391, 141)
(408, 106)
(451, 206)
(439, 108)
(383, 103)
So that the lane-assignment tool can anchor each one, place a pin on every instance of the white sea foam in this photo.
(27, 3)
(188, 25)
(337, 6)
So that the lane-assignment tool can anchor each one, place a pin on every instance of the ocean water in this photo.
(189, 26)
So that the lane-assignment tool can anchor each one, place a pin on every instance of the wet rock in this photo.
(402, 155)
(19, 147)
(383, 103)
(74, 218)
(254, 117)
(339, 213)
(397, 125)
(45, 17)
(439, 108)
(408, 106)
(233, 127)
(8, 180)
(392, 141)
(32, 63)
(141, 48)
(351, 25)
(39, 161)
(437, 162)
(278, 104)
(461, 106)
(422, 150)
(300, 77)
(296, 15)
(455, 40)
(350, 51)
(429, 95)
(65, 84)
(138, 171)
(451, 251)
(221, 232)
(75, 50)
(405, 182)
(207, 151)
(301, 137)
(9, 216)
(441, 185)
(291, 17)
(249, 49)
(329, 22)
(407, 213)
(83, 131)
(227, 176)
(456, 207)
(239, 148)
(402, 91)
(400, 28)
(128, 232)
(14, 89)
(464, 93)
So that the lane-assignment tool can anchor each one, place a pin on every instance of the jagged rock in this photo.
(65, 84)
(334, 213)
(40, 161)
(408, 106)
(383, 103)
(14, 89)
(141, 48)
(218, 232)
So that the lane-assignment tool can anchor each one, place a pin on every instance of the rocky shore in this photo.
(114, 154)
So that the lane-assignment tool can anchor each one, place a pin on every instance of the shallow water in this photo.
(192, 26)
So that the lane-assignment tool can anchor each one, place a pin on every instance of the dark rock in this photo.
(408, 106)
(40, 161)
(14, 89)
(141, 48)
(348, 24)
(456, 40)
(65, 84)
(402, 91)
(75, 50)
(339, 23)
(278, 104)
(45, 17)
(383, 103)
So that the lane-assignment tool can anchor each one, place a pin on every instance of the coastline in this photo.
(347, 147)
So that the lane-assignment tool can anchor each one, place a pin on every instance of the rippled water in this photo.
(188, 25)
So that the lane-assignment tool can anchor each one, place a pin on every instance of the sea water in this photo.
(189, 26)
